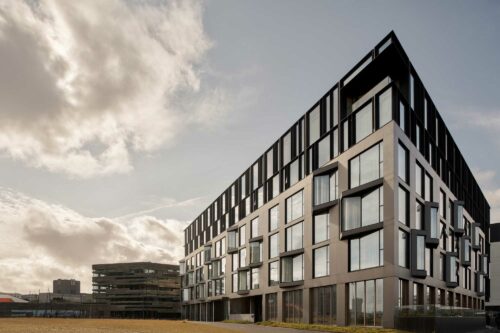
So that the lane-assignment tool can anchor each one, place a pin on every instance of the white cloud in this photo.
(491, 189)
(43, 241)
(85, 84)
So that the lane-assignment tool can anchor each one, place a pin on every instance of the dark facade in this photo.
(68, 287)
(363, 211)
(137, 290)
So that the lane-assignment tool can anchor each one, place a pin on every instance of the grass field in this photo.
(55, 325)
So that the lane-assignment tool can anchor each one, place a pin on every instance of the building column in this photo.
(306, 306)
(391, 294)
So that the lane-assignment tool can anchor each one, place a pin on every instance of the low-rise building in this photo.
(138, 290)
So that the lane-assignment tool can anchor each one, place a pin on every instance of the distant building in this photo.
(64, 298)
(69, 287)
(137, 290)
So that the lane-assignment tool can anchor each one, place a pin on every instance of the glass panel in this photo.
(276, 185)
(324, 151)
(354, 172)
(360, 303)
(294, 172)
(379, 306)
(270, 163)
(403, 249)
(402, 116)
(352, 212)
(419, 216)
(370, 208)
(334, 188)
(298, 268)
(314, 125)
(369, 161)
(255, 252)
(420, 252)
(354, 254)
(243, 239)
(434, 222)
(273, 273)
(403, 163)
(274, 245)
(255, 227)
(294, 207)
(369, 255)
(273, 218)
(255, 278)
(418, 179)
(352, 303)
(403, 206)
(364, 122)
(243, 257)
(322, 261)
(321, 189)
(321, 228)
(370, 303)
(385, 107)
(287, 148)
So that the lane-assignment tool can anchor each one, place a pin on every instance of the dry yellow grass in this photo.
(50, 325)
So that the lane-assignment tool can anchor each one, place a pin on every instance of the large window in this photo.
(367, 166)
(294, 237)
(292, 306)
(274, 273)
(255, 252)
(235, 261)
(274, 218)
(292, 268)
(255, 278)
(294, 206)
(274, 245)
(232, 240)
(364, 122)
(385, 107)
(270, 163)
(243, 257)
(403, 163)
(243, 280)
(324, 305)
(403, 198)
(314, 125)
(326, 188)
(322, 261)
(321, 228)
(366, 305)
(255, 227)
(242, 233)
(367, 251)
(403, 248)
(364, 210)
(272, 307)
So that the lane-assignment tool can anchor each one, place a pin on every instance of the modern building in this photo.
(493, 304)
(68, 287)
(137, 290)
(364, 209)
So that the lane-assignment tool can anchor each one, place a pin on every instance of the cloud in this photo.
(86, 84)
(491, 189)
(43, 241)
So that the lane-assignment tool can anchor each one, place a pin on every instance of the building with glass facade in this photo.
(363, 208)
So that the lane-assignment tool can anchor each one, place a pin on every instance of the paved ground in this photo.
(248, 328)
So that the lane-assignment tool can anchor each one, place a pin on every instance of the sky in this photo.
(121, 120)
